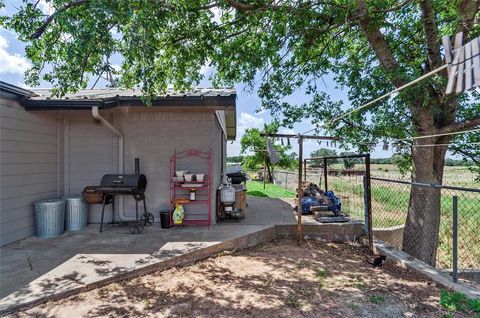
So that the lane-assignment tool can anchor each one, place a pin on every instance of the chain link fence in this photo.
(390, 201)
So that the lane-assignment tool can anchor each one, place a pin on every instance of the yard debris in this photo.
(325, 205)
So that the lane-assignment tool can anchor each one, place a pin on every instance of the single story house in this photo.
(51, 147)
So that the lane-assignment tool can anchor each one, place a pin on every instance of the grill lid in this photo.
(124, 182)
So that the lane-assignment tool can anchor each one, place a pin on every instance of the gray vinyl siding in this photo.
(29, 167)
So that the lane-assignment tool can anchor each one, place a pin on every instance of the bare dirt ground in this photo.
(278, 279)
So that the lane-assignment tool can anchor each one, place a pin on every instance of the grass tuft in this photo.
(376, 299)
(455, 301)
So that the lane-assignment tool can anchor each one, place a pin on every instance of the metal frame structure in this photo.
(300, 139)
(207, 186)
(367, 186)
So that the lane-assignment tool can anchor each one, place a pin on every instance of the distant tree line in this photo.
(235, 159)
(350, 162)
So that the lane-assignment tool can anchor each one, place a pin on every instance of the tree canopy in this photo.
(253, 142)
(369, 47)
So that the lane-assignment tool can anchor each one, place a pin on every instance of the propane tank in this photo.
(227, 194)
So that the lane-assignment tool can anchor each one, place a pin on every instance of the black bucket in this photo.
(165, 219)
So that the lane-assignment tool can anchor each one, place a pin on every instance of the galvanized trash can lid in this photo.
(73, 198)
(49, 201)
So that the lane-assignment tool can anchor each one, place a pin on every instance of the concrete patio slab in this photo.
(88, 259)
(36, 270)
(33, 270)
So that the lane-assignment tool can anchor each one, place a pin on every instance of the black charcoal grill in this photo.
(237, 177)
(125, 184)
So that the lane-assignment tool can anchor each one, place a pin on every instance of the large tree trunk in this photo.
(420, 238)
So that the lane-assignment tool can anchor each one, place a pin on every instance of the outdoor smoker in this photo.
(121, 184)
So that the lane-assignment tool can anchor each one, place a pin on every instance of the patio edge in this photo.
(405, 261)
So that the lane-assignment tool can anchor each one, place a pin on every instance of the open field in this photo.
(453, 175)
(277, 279)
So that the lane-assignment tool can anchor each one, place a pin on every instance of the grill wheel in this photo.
(147, 219)
(136, 227)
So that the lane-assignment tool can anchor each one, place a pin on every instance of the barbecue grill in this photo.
(237, 177)
(121, 184)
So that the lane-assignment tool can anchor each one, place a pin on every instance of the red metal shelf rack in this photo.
(202, 192)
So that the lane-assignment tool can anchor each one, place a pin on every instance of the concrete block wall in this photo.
(150, 134)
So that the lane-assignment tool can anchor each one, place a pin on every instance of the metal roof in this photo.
(104, 98)
(11, 91)
(45, 94)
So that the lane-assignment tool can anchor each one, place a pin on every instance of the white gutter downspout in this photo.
(96, 115)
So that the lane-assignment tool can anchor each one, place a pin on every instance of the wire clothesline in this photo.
(422, 137)
(433, 72)
(439, 135)
(444, 145)
(421, 78)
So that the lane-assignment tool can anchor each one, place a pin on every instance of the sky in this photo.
(13, 64)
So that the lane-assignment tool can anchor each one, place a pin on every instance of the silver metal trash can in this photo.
(49, 217)
(75, 213)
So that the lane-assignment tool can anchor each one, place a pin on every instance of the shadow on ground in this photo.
(34, 267)
(279, 279)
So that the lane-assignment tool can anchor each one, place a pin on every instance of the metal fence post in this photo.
(455, 239)
(299, 190)
(365, 209)
(325, 172)
(369, 202)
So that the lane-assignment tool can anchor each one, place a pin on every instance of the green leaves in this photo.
(279, 47)
(253, 142)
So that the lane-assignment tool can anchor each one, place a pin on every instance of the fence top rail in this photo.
(362, 155)
(428, 185)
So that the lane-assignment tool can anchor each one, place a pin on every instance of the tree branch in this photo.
(38, 33)
(467, 9)
(467, 154)
(394, 8)
(207, 7)
(459, 126)
(431, 34)
(379, 44)
(245, 6)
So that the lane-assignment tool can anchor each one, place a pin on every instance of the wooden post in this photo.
(264, 172)
(299, 191)
(369, 202)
